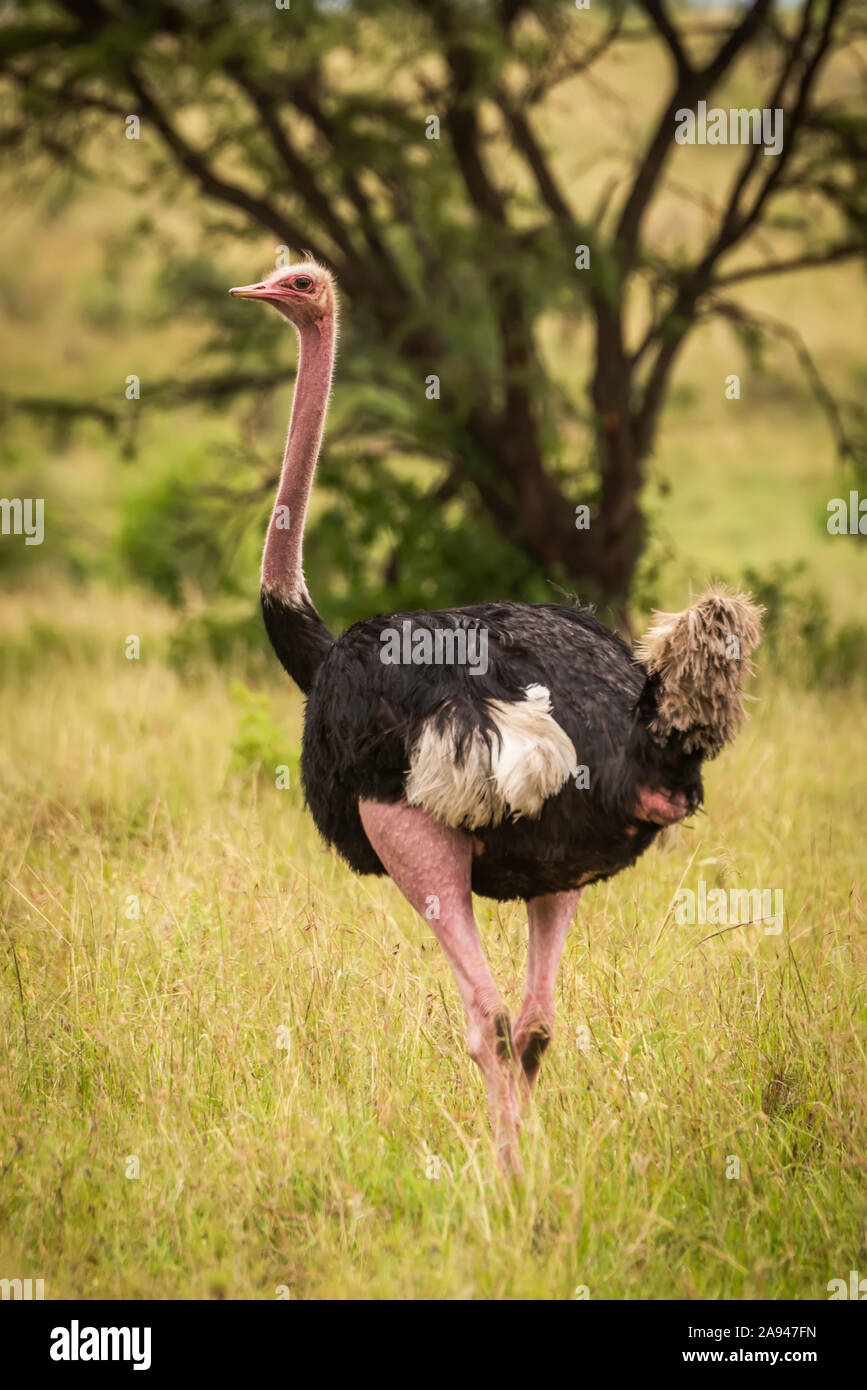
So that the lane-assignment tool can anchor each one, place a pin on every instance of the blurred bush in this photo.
(800, 637)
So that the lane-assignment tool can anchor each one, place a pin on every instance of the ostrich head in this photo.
(304, 293)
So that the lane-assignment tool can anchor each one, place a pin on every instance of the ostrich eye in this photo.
(302, 282)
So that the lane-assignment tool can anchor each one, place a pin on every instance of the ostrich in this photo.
(547, 766)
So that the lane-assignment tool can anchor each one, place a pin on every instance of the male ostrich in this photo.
(456, 779)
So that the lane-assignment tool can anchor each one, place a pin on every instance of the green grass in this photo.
(280, 1043)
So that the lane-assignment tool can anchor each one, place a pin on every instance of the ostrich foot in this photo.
(533, 1033)
(549, 918)
(490, 1044)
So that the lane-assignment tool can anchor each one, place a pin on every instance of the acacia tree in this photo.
(403, 144)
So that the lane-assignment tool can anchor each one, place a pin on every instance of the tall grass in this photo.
(279, 1043)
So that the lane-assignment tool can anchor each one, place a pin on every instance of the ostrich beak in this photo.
(250, 291)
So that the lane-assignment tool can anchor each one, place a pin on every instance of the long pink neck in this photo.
(282, 561)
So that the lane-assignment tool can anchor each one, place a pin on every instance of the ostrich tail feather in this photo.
(697, 662)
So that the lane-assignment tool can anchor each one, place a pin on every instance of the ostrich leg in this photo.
(431, 864)
(549, 919)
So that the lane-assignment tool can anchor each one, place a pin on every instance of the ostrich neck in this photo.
(282, 561)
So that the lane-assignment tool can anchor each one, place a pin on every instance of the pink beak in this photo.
(259, 291)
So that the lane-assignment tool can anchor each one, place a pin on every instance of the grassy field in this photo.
(280, 1046)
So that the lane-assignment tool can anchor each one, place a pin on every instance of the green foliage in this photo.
(260, 745)
(800, 634)
(225, 634)
(178, 534)
(390, 544)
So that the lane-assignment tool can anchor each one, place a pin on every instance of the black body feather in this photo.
(363, 719)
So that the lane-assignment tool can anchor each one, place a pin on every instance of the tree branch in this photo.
(304, 181)
(847, 448)
(845, 251)
(265, 213)
(658, 15)
(689, 86)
